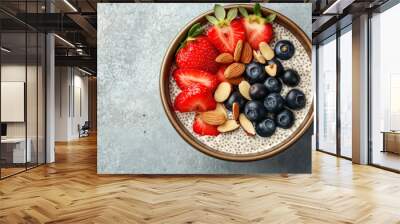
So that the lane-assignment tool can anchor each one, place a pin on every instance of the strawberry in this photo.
(185, 77)
(195, 98)
(220, 73)
(202, 128)
(225, 32)
(197, 52)
(258, 29)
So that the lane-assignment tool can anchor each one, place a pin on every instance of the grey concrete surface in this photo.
(134, 134)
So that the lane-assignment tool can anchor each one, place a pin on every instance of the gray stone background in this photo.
(134, 134)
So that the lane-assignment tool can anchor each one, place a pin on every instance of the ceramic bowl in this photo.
(202, 143)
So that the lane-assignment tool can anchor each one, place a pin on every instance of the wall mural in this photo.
(204, 88)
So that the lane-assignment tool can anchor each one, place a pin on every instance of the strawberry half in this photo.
(258, 29)
(225, 32)
(197, 52)
(186, 77)
(202, 128)
(195, 98)
(220, 73)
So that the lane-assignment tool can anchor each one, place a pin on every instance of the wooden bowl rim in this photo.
(192, 140)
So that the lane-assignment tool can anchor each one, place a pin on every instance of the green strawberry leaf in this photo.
(243, 11)
(232, 13)
(219, 12)
(257, 9)
(198, 32)
(270, 18)
(195, 30)
(212, 20)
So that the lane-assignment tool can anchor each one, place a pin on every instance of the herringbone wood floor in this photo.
(69, 191)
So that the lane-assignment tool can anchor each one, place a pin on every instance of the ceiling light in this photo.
(70, 5)
(84, 71)
(64, 40)
(5, 50)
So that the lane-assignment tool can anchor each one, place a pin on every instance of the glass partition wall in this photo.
(334, 94)
(385, 89)
(22, 101)
(345, 93)
(326, 96)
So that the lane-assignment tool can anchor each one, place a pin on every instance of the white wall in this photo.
(71, 102)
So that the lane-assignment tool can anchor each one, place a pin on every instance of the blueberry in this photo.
(266, 128)
(235, 97)
(279, 66)
(258, 91)
(274, 103)
(291, 78)
(285, 119)
(273, 85)
(254, 110)
(255, 72)
(284, 49)
(295, 99)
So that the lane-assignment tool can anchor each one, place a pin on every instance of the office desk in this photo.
(391, 141)
(15, 148)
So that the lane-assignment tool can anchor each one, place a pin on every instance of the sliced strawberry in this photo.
(220, 73)
(258, 29)
(202, 128)
(195, 98)
(186, 77)
(225, 32)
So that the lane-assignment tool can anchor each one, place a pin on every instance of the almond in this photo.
(259, 58)
(235, 81)
(224, 58)
(247, 54)
(238, 50)
(234, 70)
(221, 108)
(235, 111)
(213, 117)
(247, 125)
(244, 88)
(229, 125)
(266, 51)
(271, 69)
(222, 92)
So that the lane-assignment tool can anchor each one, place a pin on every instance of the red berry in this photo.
(195, 98)
(225, 37)
(202, 128)
(258, 28)
(257, 31)
(185, 77)
(220, 73)
(197, 53)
